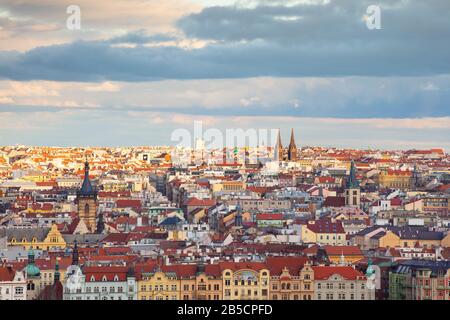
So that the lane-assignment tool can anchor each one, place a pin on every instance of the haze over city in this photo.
(135, 71)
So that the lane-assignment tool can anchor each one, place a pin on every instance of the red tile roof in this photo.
(194, 202)
(256, 266)
(325, 226)
(98, 273)
(7, 274)
(334, 202)
(269, 216)
(128, 203)
(345, 250)
(293, 264)
(325, 272)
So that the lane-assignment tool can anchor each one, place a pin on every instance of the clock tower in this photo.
(87, 201)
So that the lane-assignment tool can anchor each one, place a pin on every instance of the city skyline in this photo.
(135, 72)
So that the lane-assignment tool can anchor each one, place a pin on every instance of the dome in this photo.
(32, 270)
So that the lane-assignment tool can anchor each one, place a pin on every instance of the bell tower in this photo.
(352, 189)
(87, 201)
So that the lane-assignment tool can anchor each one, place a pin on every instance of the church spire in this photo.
(292, 141)
(238, 216)
(57, 274)
(279, 147)
(292, 152)
(75, 253)
(86, 187)
(352, 181)
(100, 224)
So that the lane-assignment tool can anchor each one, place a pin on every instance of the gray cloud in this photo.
(141, 37)
(327, 40)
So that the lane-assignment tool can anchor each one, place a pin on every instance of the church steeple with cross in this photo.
(87, 201)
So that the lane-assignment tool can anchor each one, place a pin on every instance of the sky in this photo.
(138, 70)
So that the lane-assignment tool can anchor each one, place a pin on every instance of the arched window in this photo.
(116, 278)
(86, 208)
(30, 286)
(104, 279)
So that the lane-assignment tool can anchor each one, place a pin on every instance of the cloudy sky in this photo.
(137, 70)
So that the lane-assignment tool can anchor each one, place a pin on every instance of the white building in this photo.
(13, 285)
(100, 283)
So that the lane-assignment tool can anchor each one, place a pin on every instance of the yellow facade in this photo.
(53, 240)
(293, 287)
(246, 284)
(335, 239)
(207, 288)
(167, 286)
(159, 286)
(348, 259)
(391, 240)
(396, 180)
(229, 186)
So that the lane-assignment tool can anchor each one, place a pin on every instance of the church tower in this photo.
(352, 190)
(87, 201)
(292, 152)
(279, 148)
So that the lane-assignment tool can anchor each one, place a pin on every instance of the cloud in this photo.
(28, 23)
(430, 87)
(343, 97)
(69, 127)
(330, 40)
(104, 87)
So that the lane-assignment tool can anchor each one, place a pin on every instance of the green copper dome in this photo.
(31, 269)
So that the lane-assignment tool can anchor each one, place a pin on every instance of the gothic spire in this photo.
(292, 152)
(292, 141)
(352, 181)
(86, 187)
(100, 224)
(75, 253)
(279, 147)
(57, 274)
